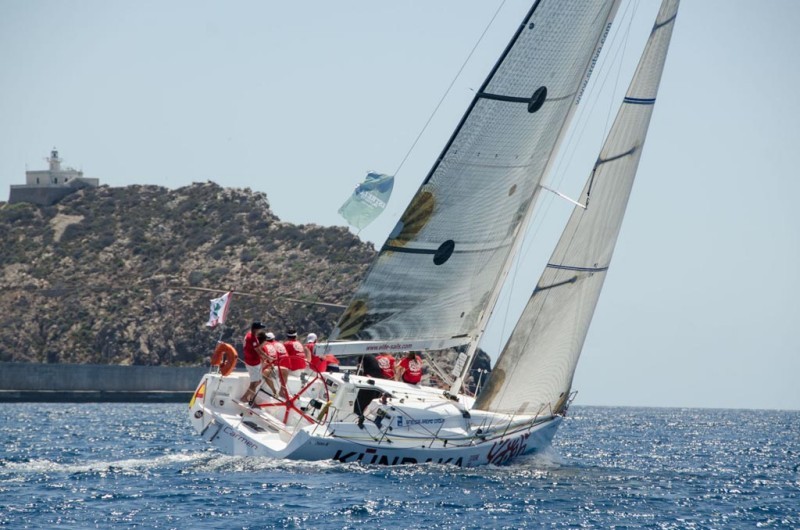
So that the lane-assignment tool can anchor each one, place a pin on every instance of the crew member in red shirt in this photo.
(294, 358)
(270, 359)
(252, 359)
(311, 342)
(282, 371)
(316, 363)
(386, 363)
(409, 370)
(298, 355)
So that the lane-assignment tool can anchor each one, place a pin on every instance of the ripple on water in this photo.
(141, 465)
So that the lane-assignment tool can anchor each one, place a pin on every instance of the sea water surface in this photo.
(141, 466)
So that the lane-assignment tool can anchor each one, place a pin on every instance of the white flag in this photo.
(219, 310)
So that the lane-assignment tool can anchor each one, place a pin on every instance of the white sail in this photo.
(436, 275)
(535, 369)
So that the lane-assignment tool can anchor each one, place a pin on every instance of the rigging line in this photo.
(449, 88)
(615, 49)
(336, 269)
(446, 92)
(581, 123)
(257, 295)
(620, 50)
(316, 293)
(619, 70)
(439, 372)
(537, 290)
(568, 199)
(560, 170)
(530, 235)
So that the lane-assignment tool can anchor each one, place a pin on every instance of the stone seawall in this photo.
(93, 382)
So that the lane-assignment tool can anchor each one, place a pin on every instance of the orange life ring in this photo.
(225, 357)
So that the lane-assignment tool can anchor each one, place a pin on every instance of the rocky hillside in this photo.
(118, 275)
(125, 275)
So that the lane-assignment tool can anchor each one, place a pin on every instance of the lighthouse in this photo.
(48, 186)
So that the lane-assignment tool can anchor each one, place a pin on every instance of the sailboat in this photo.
(436, 280)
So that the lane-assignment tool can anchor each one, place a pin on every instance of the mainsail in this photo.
(436, 277)
(535, 369)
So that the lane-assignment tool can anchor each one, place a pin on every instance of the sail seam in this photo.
(666, 22)
(518, 99)
(409, 250)
(575, 268)
(559, 284)
(601, 161)
(495, 166)
(640, 101)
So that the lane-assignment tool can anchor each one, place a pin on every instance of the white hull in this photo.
(414, 425)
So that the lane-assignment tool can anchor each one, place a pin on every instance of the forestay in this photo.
(535, 369)
(435, 277)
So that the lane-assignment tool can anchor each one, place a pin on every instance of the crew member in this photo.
(270, 359)
(253, 356)
(386, 363)
(409, 370)
(298, 355)
(282, 362)
(316, 363)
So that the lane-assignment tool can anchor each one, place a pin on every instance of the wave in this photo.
(45, 466)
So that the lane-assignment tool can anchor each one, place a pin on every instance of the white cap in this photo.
(270, 336)
(312, 337)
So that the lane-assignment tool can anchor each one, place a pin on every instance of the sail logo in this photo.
(237, 437)
(593, 63)
(502, 452)
(384, 460)
(372, 200)
(389, 347)
(409, 423)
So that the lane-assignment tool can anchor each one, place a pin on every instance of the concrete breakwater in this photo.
(97, 382)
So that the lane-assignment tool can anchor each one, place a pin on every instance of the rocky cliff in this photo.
(118, 275)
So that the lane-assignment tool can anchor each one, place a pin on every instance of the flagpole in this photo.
(218, 314)
(225, 314)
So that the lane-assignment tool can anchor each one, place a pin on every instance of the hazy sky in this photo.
(300, 99)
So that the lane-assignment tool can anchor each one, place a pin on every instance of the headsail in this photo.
(535, 370)
(368, 200)
(437, 275)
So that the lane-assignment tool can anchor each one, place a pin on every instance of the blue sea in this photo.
(141, 466)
